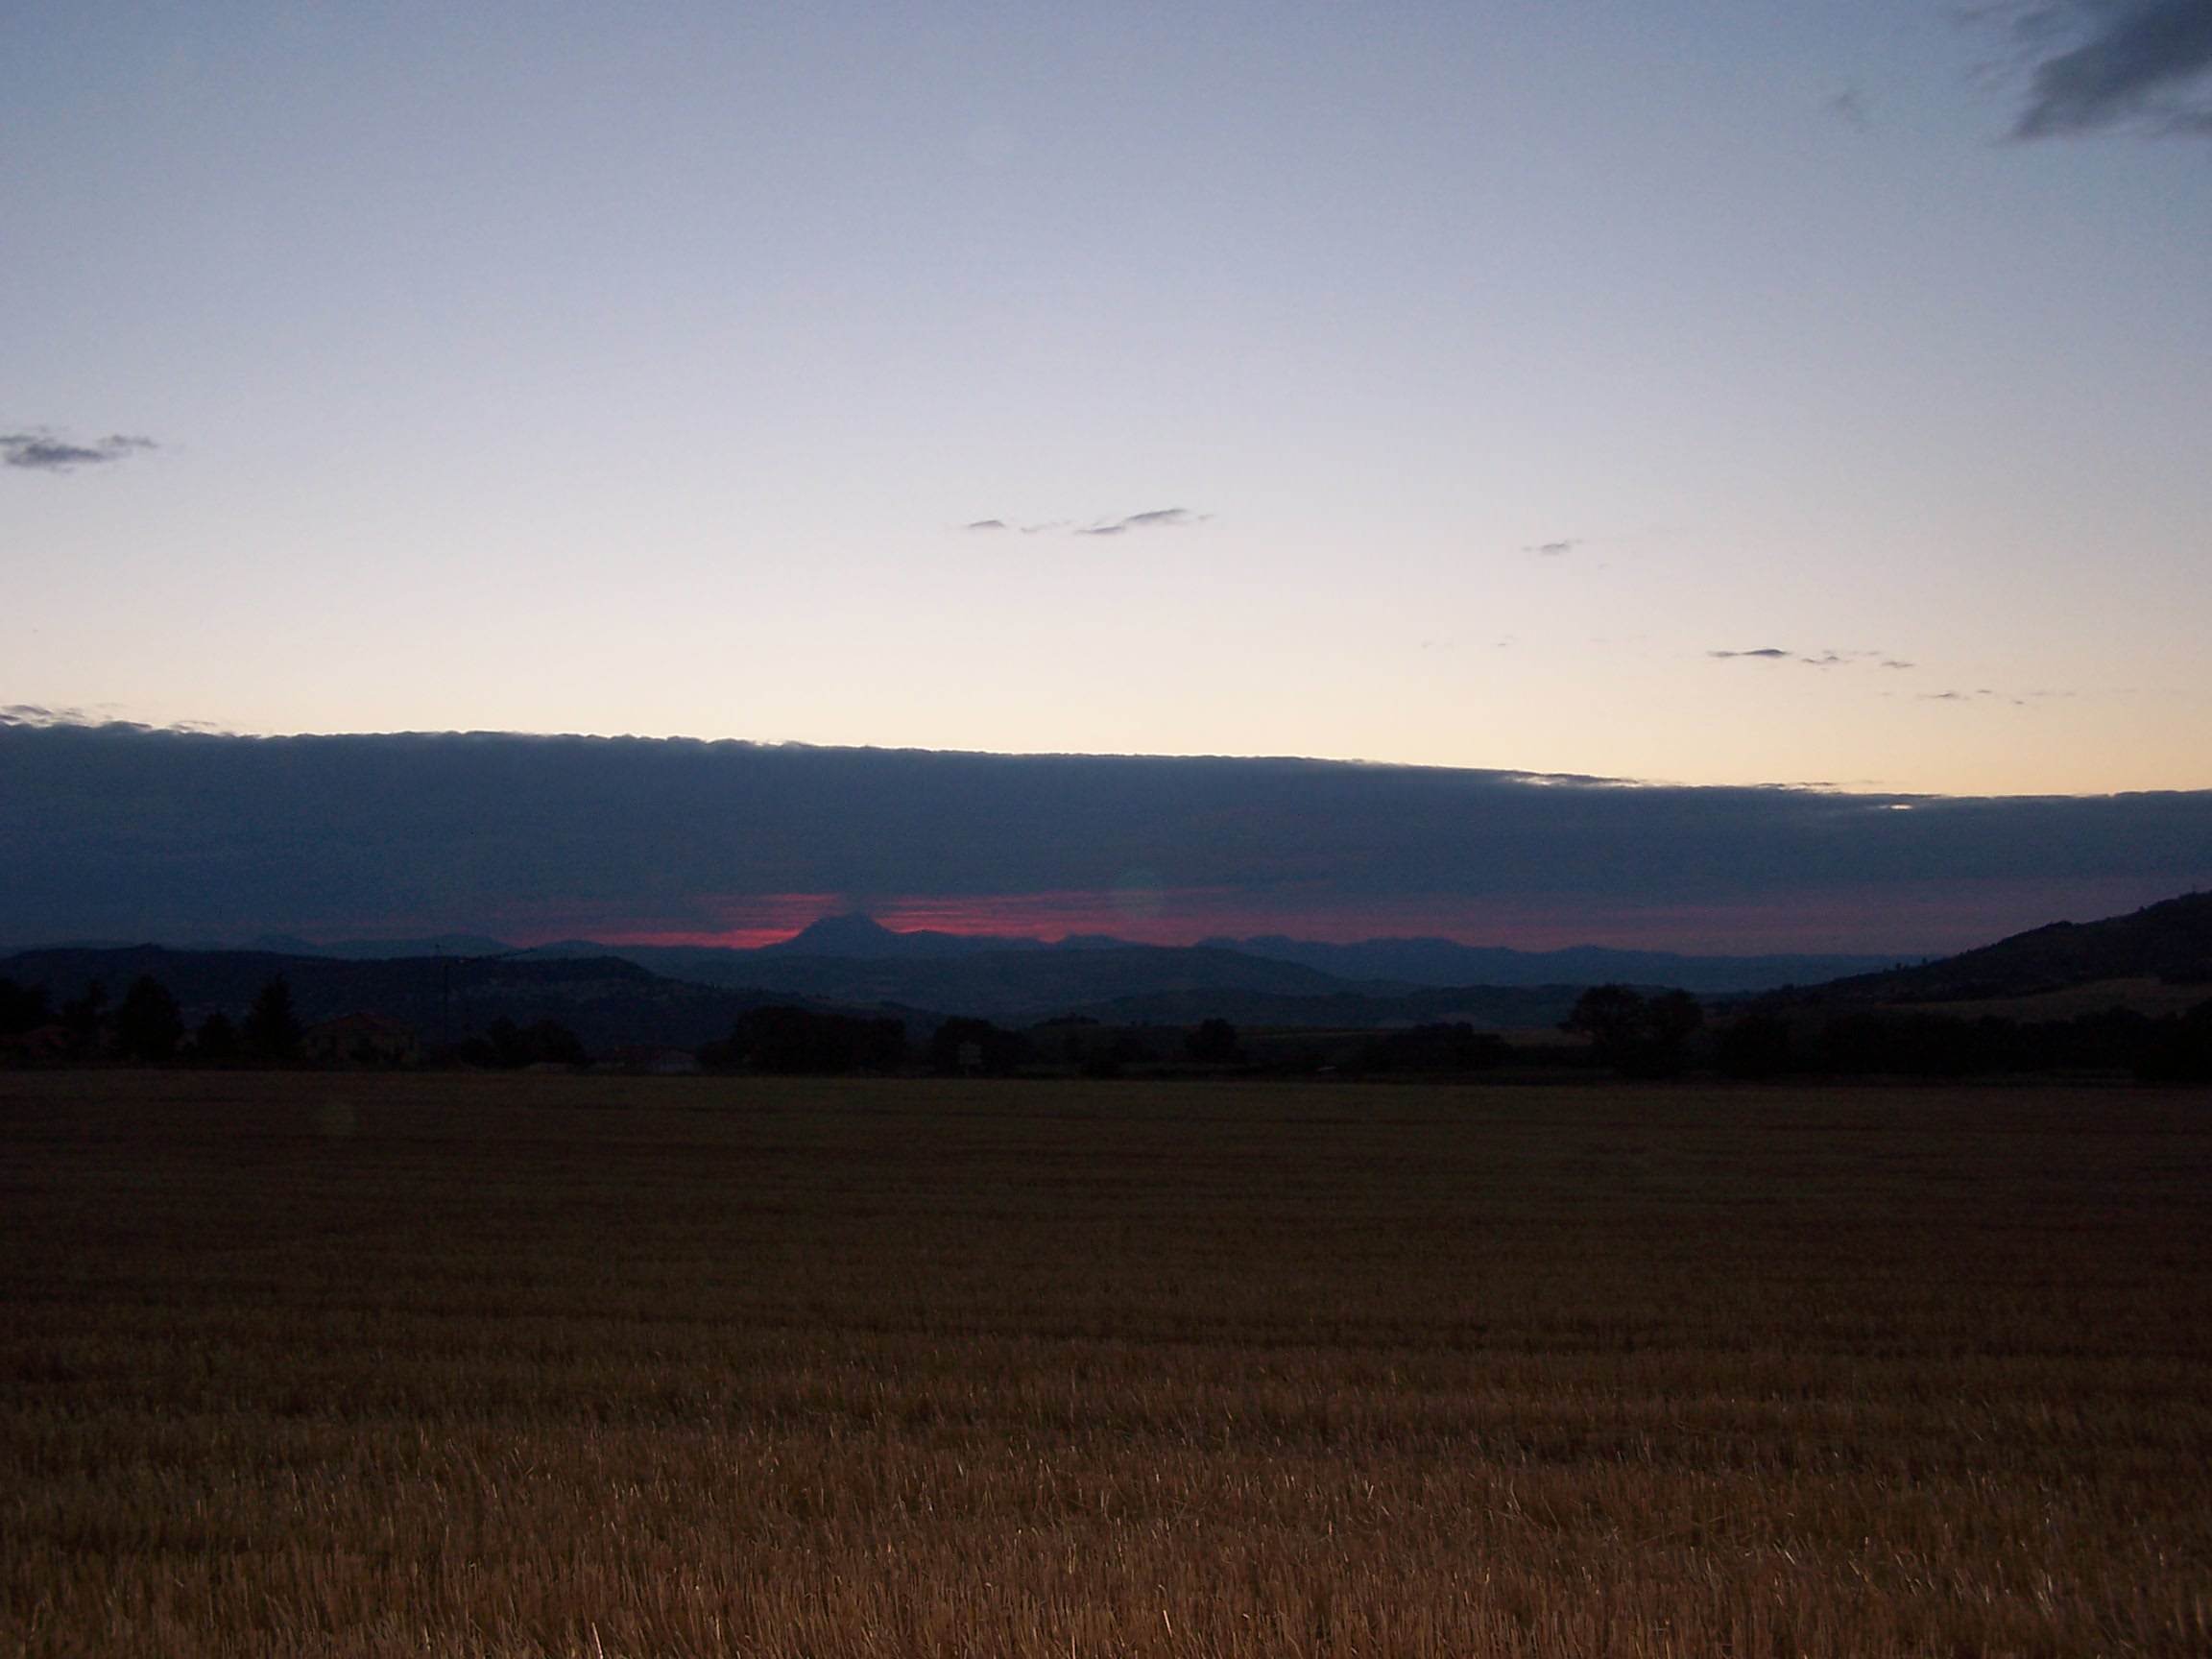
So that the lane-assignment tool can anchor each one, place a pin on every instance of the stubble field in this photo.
(347, 1366)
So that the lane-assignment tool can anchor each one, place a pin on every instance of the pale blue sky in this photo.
(568, 367)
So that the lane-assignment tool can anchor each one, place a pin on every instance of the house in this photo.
(360, 1039)
(40, 1045)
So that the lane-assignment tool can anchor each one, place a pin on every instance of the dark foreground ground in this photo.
(314, 1365)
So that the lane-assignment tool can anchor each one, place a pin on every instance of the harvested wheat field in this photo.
(431, 1365)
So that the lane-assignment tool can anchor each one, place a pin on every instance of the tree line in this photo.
(1666, 1034)
(1630, 1032)
(149, 1025)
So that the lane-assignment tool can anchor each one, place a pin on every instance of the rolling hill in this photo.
(2168, 944)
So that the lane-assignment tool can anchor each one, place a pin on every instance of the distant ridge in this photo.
(855, 937)
(2169, 941)
(1401, 962)
(1424, 961)
(686, 994)
(867, 950)
(384, 950)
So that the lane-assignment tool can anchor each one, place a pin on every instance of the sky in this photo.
(1698, 394)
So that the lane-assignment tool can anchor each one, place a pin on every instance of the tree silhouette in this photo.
(217, 1039)
(1637, 1036)
(964, 1045)
(271, 1028)
(1213, 1043)
(1757, 1045)
(22, 1007)
(784, 1039)
(147, 1022)
(81, 1016)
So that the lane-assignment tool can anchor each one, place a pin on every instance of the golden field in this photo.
(449, 1366)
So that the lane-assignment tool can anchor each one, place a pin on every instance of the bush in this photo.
(1214, 1044)
(790, 1040)
(1440, 1047)
(1637, 1036)
(1754, 1044)
(963, 1045)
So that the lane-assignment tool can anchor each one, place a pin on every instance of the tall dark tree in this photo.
(84, 1017)
(271, 1028)
(217, 1039)
(22, 1007)
(148, 1025)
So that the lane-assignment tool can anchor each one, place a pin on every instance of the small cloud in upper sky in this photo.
(1810, 659)
(2101, 63)
(101, 715)
(1849, 107)
(1983, 694)
(44, 452)
(1158, 519)
(1553, 549)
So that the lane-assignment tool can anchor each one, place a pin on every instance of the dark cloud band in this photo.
(2143, 62)
(121, 832)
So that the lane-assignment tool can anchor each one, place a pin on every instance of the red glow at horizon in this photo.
(1907, 921)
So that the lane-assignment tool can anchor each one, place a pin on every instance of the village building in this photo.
(360, 1039)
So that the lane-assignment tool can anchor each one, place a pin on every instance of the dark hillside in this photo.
(2171, 941)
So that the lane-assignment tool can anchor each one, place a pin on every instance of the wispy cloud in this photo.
(1810, 658)
(1157, 519)
(39, 714)
(1983, 694)
(102, 716)
(1849, 107)
(46, 452)
(1553, 549)
(2099, 64)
